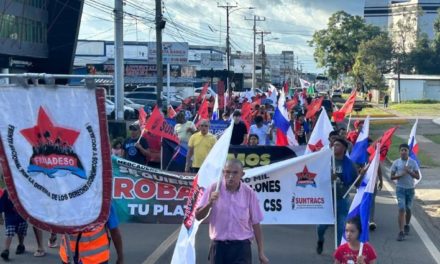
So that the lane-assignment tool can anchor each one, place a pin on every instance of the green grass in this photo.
(417, 109)
(434, 138)
(373, 112)
(394, 154)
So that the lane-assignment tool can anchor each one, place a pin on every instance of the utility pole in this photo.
(263, 57)
(160, 24)
(228, 7)
(119, 61)
(255, 19)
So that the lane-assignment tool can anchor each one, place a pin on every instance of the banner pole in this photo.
(334, 197)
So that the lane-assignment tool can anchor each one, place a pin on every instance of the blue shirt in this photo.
(112, 221)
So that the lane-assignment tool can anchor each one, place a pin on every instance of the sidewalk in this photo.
(427, 207)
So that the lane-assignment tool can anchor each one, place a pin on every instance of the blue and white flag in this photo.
(414, 148)
(215, 114)
(359, 153)
(360, 207)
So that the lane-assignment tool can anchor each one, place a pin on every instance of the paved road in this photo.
(284, 244)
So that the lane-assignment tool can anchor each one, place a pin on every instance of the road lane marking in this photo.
(162, 248)
(435, 253)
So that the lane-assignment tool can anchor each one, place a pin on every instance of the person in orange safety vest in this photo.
(93, 247)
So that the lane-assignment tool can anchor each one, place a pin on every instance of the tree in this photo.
(424, 58)
(373, 59)
(337, 45)
(405, 35)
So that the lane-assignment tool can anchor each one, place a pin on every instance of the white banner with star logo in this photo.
(295, 191)
(55, 155)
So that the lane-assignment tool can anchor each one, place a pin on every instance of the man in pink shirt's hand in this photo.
(234, 217)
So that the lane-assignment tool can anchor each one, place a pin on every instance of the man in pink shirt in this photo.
(234, 217)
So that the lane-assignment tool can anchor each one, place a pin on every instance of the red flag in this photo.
(339, 115)
(348, 106)
(314, 107)
(203, 92)
(179, 108)
(203, 110)
(142, 118)
(170, 112)
(157, 125)
(246, 114)
(385, 143)
(286, 88)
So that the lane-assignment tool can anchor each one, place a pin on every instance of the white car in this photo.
(129, 113)
(209, 93)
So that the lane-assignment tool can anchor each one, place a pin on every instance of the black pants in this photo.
(230, 252)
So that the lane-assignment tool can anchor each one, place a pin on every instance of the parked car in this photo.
(148, 89)
(209, 93)
(129, 103)
(150, 99)
(129, 113)
(336, 93)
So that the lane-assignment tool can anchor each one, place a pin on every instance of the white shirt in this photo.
(262, 133)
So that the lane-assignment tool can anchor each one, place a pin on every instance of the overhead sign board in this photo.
(172, 52)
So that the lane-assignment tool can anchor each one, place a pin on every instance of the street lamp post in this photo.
(229, 10)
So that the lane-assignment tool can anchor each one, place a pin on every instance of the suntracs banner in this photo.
(174, 155)
(55, 155)
(293, 191)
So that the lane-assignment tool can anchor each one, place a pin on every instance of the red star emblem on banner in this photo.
(306, 175)
(45, 132)
(318, 146)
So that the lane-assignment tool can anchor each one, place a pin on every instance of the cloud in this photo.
(291, 22)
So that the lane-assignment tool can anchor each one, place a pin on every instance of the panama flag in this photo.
(215, 114)
(360, 207)
(304, 83)
(209, 173)
(285, 135)
(359, 153)
(319, 137)
(414, 148)
(272, 94)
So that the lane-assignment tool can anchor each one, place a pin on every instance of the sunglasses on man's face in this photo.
(204, 125)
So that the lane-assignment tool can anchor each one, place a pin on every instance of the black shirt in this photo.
(238, 133)
(134, 154)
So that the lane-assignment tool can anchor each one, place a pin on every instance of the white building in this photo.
(386, 13)
(413, 87)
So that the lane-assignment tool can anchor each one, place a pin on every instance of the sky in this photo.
(291, 23)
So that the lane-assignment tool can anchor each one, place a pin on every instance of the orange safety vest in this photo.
(93, 247)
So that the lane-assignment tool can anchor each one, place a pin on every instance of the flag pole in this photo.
(142, 133)
(348, 125)
(161, 153)
(334, 197)
(361, 248)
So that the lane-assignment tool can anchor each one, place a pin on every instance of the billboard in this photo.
(172, 52)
